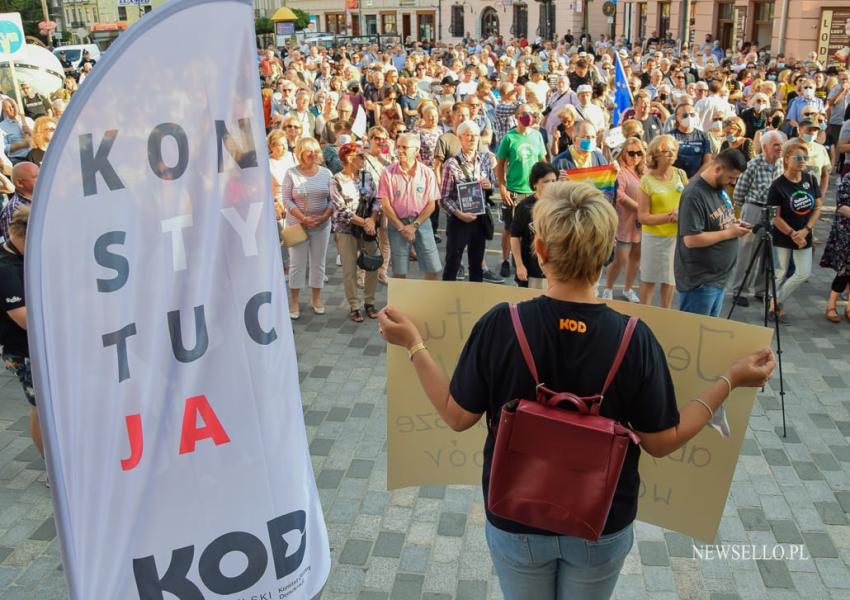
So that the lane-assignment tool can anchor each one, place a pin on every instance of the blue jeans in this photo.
(427, 254)
(702, 300)
(545, 567)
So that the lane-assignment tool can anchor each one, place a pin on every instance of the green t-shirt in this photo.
(522, 151)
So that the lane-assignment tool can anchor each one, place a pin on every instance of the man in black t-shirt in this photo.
(35, 105)
(13, 320)
(707, 241)
(528, 271)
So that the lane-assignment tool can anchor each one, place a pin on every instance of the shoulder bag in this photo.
(556, 469)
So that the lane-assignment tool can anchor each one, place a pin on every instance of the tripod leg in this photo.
(770, 272)
(740, 291)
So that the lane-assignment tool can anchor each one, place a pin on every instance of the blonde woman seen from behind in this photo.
(661, 188)
(575, 226)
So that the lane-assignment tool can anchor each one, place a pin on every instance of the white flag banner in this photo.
(163, 353)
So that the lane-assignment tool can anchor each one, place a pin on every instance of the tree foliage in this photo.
(303, 20)
(263, 25)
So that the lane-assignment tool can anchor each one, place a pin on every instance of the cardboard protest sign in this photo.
(684, 492)
(164, 359)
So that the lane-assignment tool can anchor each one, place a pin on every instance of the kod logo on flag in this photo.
(160, 336)
(12, 39)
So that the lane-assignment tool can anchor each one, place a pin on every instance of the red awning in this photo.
(117, 26)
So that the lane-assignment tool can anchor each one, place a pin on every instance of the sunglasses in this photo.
(293, 127)
(634, 153)
(799, 158)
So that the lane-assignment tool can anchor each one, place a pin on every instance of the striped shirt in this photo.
(505, 120)
(310, 195)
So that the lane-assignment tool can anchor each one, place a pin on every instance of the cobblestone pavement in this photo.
(429, 542)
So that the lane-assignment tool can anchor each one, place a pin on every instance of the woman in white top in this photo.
(280, 161)
(306, 195)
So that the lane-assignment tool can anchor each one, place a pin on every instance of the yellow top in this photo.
(663, 198)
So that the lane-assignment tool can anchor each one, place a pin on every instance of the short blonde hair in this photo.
(568, 110)
(308, 143)
(576, 223)
(39, 132)
(274, 136)
(738, 122)
(791, 146)
(655, 144)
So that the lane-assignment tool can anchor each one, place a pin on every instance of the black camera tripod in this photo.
(764, 250)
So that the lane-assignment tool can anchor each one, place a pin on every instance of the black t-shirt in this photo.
(796, 201)
(577, 80)
(753, 121)
(521, 228)
(12, 337)
(491, 372)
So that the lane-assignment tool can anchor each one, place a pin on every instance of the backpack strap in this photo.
(523, 343)
(621, 353)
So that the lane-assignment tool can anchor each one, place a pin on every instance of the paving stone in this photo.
(373, 596)
(825, 462)
(414, 559)
(807, 471)
(338, 414)
(679, 545)
(471, 590)
(775, 574)
(437, 492)
(329, 479)
(654, 554)
(362, 410)
(312, 418)
(753, 519)
(407, 586)
(776, 457)
(46, 532)
(831, 513)
(321, 446)
(452, 524)
(819, 545)
(321, 372)
(750, 448)
(790, 438)
(355, 552)
(389, 544)
(360, 468)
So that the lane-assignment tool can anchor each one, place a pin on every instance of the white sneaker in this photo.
(631, 296)
(607, 294)
(338, 260)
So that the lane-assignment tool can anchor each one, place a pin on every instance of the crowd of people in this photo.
(394, 152)
(452, 144)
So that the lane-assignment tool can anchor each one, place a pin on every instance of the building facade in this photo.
(790, 26)
(410, 19)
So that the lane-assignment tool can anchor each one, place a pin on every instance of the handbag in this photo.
(293, 235)
(556, 469)
(370, 262)
(364, 211)
(489, 224)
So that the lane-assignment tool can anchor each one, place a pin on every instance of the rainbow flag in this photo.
(603, 178)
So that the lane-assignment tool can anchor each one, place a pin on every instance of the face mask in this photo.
(586, 145)
(809, 93)
(525, 120)
(781, 65)
(807, 137)
(716, 124)
(759, 107)
(776, 122)
(730, 138)
(686, 123)
(822, 126)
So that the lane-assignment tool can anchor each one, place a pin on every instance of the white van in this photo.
(75, 53)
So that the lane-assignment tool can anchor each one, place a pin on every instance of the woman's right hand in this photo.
(753, 370)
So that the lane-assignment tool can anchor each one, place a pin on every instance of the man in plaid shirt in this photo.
(505, 110)
(751, 196)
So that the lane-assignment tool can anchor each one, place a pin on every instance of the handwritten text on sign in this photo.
(684, 492)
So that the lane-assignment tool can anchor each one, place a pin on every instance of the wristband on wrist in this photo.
(728, 382)
(413, 350)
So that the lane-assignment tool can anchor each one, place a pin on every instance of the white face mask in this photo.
(686, 123)
(809, 93)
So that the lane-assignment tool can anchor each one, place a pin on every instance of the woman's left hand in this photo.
(397, 328)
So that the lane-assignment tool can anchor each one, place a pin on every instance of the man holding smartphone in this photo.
(707, 241)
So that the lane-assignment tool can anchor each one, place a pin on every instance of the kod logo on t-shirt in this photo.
(802, 203)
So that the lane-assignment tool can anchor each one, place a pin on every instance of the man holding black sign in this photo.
(464, 179)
